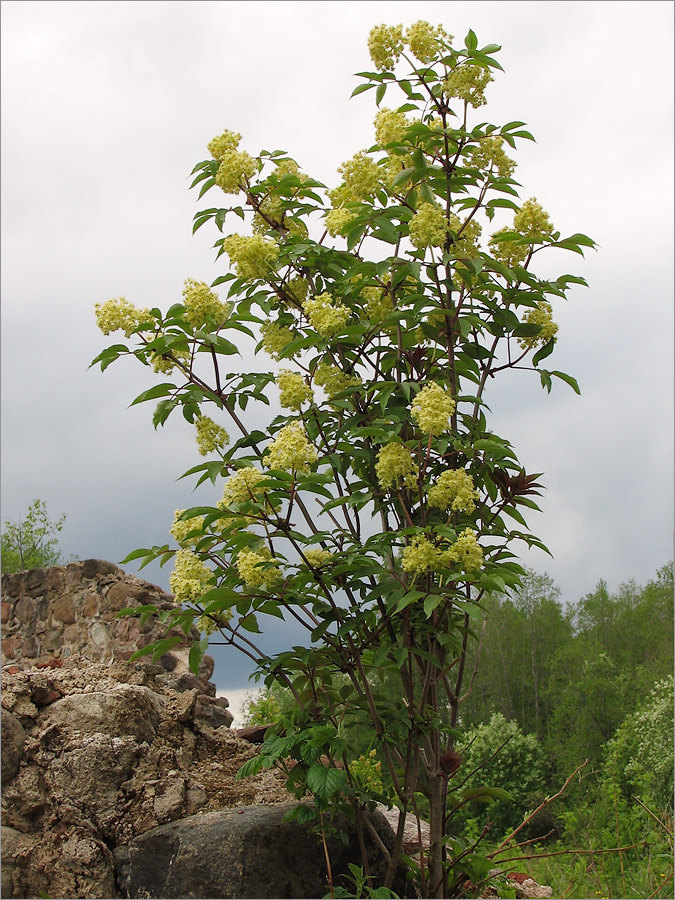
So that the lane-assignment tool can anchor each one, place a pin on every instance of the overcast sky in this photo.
(107, 106)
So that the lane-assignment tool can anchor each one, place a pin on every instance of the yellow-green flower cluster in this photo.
(334, 380)
(228, 140)
(454, 490)
(532, 221)
(242, 486)
(253, 257)
(508, 252)
(181, 528)
(190, 577)
(290, 450)
(298, 288)
(252, 568)
(367, 772)
(360, 179)
(396, 467)
(166, 364)
(466, 553)
(428, 227)
(275, 338)
(325, 315)
(201, 303)
(208, 624)
(466, 245)
(489, 154)
(234, 170)
(210, 436)
(120, 315)
(423, 39)
(288, 167)
(390, 127)
(420, 556)
(543, 316)
(294, 391)
(378, 303)
(317, 557)
(431, 409)
(337, 219)
(385, 44)
(468, 83)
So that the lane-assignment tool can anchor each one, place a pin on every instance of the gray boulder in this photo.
(240, 853)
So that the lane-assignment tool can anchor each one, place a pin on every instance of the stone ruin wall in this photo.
(69, 611)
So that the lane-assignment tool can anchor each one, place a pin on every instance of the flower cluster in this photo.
(210, 622)
(367, 772)
(420, 556)
(390, 127)
(290, 450)
(385, 44)
(423, 39)
(466, 244)
(190, 577)
(242, 486)
(465, 554)
(275, 338)
(253, 257)
(228, 140)
(396, 467)
(210, 436)
(468, 83)
(165, 363)
(326, 316)
(454, 491)
(234, 170)
(431, 409)
(298, 288)
(201, 303)
(360, 179)
(334, 380)
(120, 315)
(294, 390)
(508, 252)
(378, 303)
(489, 154)
(542, 316)
(317, 557)
(532, 221)
(337, 219)
(428, 227)
(254, 567)
(182, 528)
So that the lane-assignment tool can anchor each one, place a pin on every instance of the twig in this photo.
(572, 852)
(655, 817)
(531, 816)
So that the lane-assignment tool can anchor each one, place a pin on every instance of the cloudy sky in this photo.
(106, 107)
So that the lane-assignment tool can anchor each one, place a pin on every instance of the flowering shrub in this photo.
(389, 302)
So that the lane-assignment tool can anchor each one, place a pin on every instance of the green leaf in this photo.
(543, 352)
(359, 89)
(197, 651)
(159, 390)
(324, 781)
(379, 93)
(471, 41)
(568, 380)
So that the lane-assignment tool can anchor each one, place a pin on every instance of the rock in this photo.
(117, 754)
(239, 853)
(13, 738)
(128, 709)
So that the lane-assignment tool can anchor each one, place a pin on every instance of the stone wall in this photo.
(69, 611)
